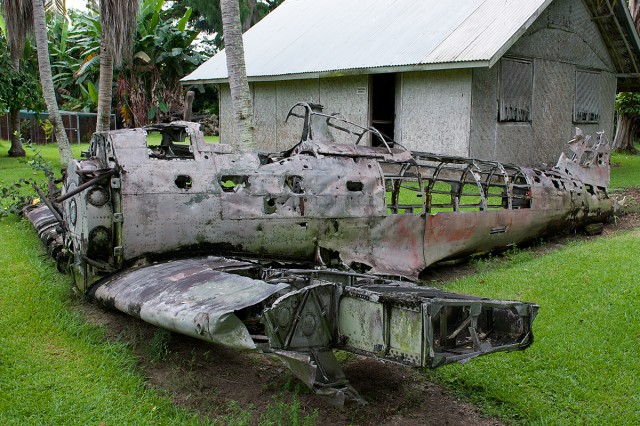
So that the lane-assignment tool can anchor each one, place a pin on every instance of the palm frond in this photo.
(56, 6)
(119, 21)
(18, 17)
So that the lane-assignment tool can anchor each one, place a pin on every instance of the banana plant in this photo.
(163, 54)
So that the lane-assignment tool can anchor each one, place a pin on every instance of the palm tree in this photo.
(46, 80)
(57, 6)
(18, 16)
(240, 94)
(118, 19)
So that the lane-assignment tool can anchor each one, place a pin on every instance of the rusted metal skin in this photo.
(383, 209)
(395, 321)
(195, 297)
(387, 209)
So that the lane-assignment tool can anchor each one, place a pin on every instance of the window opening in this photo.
(169, 144)
(183, 182)
(233, 183)
(354, 186)
(587, 106)
(516, 90)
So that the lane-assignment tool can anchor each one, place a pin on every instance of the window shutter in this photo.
(516, 90)
(587, 107)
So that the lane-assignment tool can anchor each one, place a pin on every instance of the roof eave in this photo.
(350, 72)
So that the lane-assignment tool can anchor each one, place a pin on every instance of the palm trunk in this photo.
(625, 132)
(16, 149)
(46, 80)
(240, 94)
(252, 15)
(105, 89)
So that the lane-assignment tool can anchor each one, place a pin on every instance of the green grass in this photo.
(625, 171)
(54, 367)
(583, 366)
(12, 169)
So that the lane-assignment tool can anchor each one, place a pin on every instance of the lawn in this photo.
(625, 169)
(583, 365)
(582, 369)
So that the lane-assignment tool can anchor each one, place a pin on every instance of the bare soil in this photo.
(217, 382)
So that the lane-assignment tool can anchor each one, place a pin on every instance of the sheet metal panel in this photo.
(311, 36)
(190, 296)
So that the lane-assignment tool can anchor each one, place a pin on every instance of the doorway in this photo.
(383, 104)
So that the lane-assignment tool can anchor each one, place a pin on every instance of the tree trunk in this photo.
(16, 149)
(104, 89)
(252, 15)
(46, 80)
(240, 94)
(188, 105)
(625, 131)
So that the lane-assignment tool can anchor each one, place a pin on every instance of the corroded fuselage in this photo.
(389, 210)
(140, 218)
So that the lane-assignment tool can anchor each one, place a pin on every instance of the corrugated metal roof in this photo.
(320, 37)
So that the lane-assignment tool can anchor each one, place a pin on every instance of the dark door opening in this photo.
(383, 105)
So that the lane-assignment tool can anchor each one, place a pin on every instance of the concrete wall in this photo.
(273, 100)
(433, 111)
(562, 40)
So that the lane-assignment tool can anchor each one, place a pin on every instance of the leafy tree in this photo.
(208, 15)
(46, 80)
(240, 95)
(163, 54)
(18, 89)
(628, 108)
(118, 21)
(148, 86)
(74, 47)
(18, 16)
(628, 104)
(56, 6)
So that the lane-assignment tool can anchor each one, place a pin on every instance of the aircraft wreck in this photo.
(257, 251)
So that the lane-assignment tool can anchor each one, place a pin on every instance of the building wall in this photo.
(455, 112)
(562, 40)
(433, 111)
(273, 100)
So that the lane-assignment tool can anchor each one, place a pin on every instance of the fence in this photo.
(78, 125)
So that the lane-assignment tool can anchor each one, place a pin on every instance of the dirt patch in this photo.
(218, 382)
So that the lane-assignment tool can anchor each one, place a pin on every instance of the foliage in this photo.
(628, 103)
(147, 88)
(19, 89)
(150, 87)
(74, 46)
(206, 99)
(209, 17)
(55, 6)
(21, 193)
(159, 348)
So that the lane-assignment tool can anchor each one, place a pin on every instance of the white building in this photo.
(497, 79)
